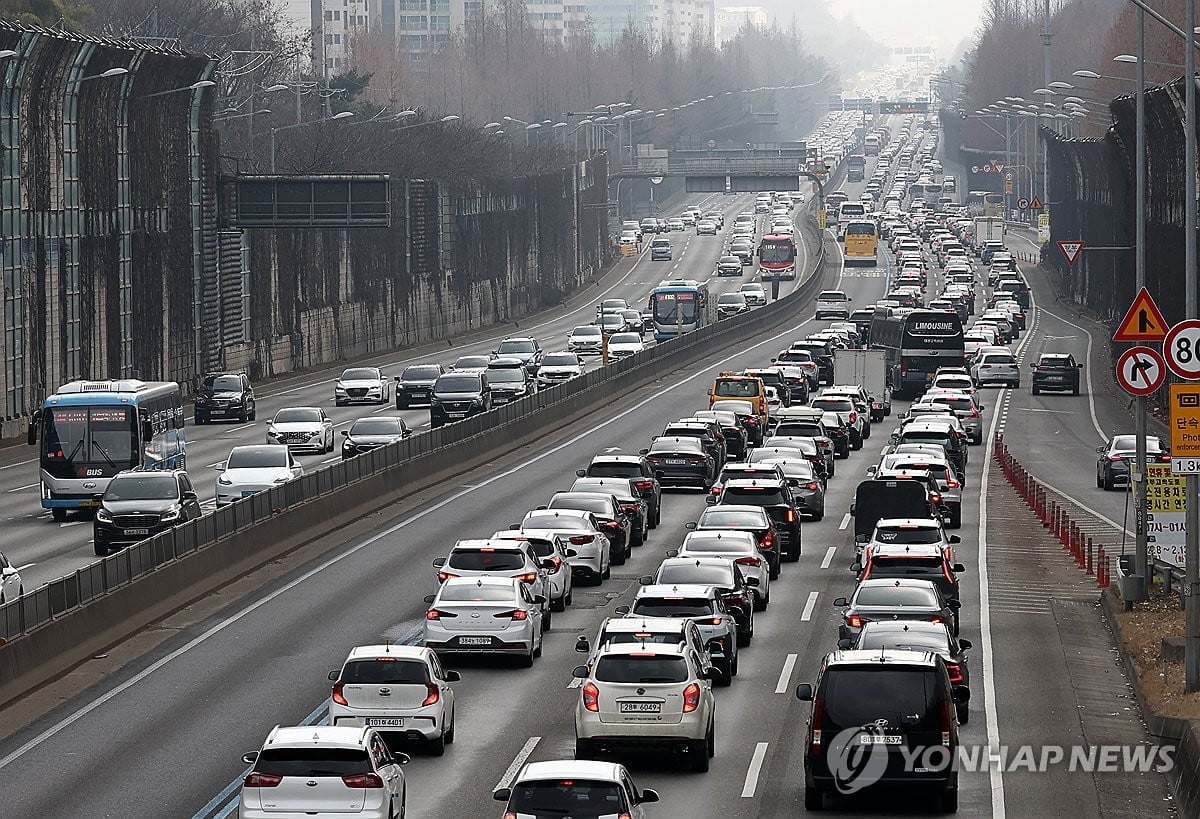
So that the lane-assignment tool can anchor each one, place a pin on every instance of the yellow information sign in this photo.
(1185, 420)
(821, 220)
(1165, 492)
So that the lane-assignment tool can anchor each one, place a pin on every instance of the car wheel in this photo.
(559, 605)
(698, 751)
(774, 573)
(548, 619)
(760, 602)
(1109, 484)
(253, 415)
(657, 515)
(712, 742)
(1075, 391)
(1099, 481)
(58, 514)
(526, 660)
(725, 677)
(100, 550)
(537, 652)
(818, 516)
(956, 519)
(1035, 390)
(745, 638)
(570, 598)
(617, 557)
(607, 573)
(814, 798)
(201, 420)
(637, 538)
(964, 714)
(948, 801)
(437, 746)
(583, 749)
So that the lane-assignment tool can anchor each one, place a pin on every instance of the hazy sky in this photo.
(940, 23)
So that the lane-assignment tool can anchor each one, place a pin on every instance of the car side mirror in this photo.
(752, 582)
(1099, 449)
(953, 605)
(712, 673)
(549, 565)
(621, 611)
(804, 692)
(856, 567)
(871, 470)
(955, 539)
(514, 526)
(429, 598)
(345, 433)
(963, 645)
(570, 553)
(958, 568)
(648, 796)
(439, 562)
(396, 378)
(583, 645)
(646, 580)
(581, 473)
(690, 525)
(711, 500)
(580, 672)
(190, 495)
(502, 794)
(539, 599)
(643, 452)
(451, 676)
(844, 643)
(250, 758)
(333, 675)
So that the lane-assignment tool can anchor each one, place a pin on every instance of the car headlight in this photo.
(338, 387)
(224, 481)
(282, 479)
(102, 516)
(271, 433)
(170, 515)
(317, 433)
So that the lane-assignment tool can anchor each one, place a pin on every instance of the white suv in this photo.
(833, 304)
(311, 769)
(641, 697)
(483, 557)
(395, 689)
(998, 366)
(569, 787)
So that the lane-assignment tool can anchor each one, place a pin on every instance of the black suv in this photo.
(414, 386)
(1056, 371)
(897, 704)
(775, 498)
(224, 396)
(822, 354)
(457, 396)
(635, 468)
(774, 378)
(138, 505)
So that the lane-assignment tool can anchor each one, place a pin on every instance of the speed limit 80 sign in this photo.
(1181, 349)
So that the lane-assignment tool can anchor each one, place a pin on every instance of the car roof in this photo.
(571, 769)
(322, 736)
(894, 582)
(915, 523)
(697, 560)
(392, 650)
(734, 507)
(481, 580)
(641, 622)
(880, 657)
(623, 459)
(676, 649)
(484, 543)
(736, 535)
(907, 550)
(752, 483)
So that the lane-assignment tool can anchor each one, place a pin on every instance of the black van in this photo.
(871, 710)
(875, 500)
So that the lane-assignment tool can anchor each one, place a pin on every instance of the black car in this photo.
(797, 383)
(414, 386)
(775, 498)
(459, 395)
(774, 378)
(708, 432)
(509, 380)
(628, 496)
(526, 349)
(737, 440)
(636, 469)
(137, 505)
(373, 432)
(681, 461)
(751, 519)
(224, 396)
(1056, 371)
(899, 703)
(722, 573)
(1117, 456)
(822, 354)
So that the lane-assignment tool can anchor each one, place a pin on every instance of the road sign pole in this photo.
(1191, 643)
(1139, 591)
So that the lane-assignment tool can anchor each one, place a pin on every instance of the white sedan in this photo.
(301, 428)
(251, 469)
(362, 385)
(755, 293)
(623, 344)
(11, 586)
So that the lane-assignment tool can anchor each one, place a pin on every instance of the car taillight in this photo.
(528, 577)
(557, 561)
(654, 458)
(337, 695)
(716, 489)
(433, 694)
(691, 698)
(630, 507)
(818, 717)
(362, 780)
(853, 417)
(937, 618)
(813, 485)
(748, 561)
(711, 621)
(956, 675)
(768, 541)
(580, 540)
(435, 614)
(611, 524)
(515, 614)
(750, 422)
(855, 620)
(790, 516)
(947, 716)
(444, 576)
(262, 780)
(936, 497)
(644, 485)
(591, 697)
(1114, 457)
(951, 484)
(1164, 458)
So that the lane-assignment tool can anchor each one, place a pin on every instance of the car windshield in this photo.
(360, 374)
(761, 455)
(467, 362)
(599, 505)
(736, 519)
(223, 383)
(625, 338)
(894, 596)
(506, 375)
(142, 487)
(863, 695)
(731, 260)
(685, 445)
(580, 799)
(298, 416)
(648, 668)
(561, 360)
(385, 671)
(486, 560)
(511, 346)
(476, 593)
(421, 372)
(376, 426)
(905, 535)
(313, 762)
(835, 404)
(257, 457)
(691, 573)
(614, 469)
(735, 299)
(1128, 443)
(672, 607)
(589, 330)
(457, 383)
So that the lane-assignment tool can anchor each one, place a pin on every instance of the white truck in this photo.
(868, 368)
(988, 229)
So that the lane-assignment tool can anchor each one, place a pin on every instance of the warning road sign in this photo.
(1036, 204)
(1143, 321)
(1140, 370)
(1070, 250)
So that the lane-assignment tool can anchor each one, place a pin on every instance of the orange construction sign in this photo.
(1143, 321)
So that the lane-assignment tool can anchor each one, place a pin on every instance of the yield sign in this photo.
(1143, 321)
(1070, 250)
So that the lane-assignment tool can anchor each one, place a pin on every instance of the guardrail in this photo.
(47, 631)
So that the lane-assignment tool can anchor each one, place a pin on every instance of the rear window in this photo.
(1054, 363)
(753, 496)
(860, 696)
(421, 372)
(483, 560)
(470, 593)
(313, 761)
(835, 404)
(915, 641)
(906, 566)
(668, 607)
(799, 430)
(599, 505)
(385, 671)
(569, 797)
(894, 596)
(733, 520)
(999, 359)
(704, 575)
(654, 668)
(742, 388)
(614, 470)
(904, 537)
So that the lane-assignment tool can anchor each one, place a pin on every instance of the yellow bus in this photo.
(862, 243)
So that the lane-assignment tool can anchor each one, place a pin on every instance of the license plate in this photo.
(89, 504)
(877, 739)
(216, 412)
(474, 641)
(384, 722)
(247, 493)
(137, 531)
(675, 462)
(640, 707)
(458, 415)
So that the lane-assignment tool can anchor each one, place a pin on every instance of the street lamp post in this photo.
(274, 131)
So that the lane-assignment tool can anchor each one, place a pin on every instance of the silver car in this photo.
(365, 385)
(485, 615)
(301, 428)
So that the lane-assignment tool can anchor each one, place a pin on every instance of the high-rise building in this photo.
(676, 20)
(730, 19)
(335, 24)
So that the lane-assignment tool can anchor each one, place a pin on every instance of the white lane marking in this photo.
(18, 463)
(1087, 368)
(755, 769)
(517, 762)
(69, 523)
(26, 566)
(985, 632)
(575, 682)
(785, 676)
(809, 605)
(331, 460)
(829, 553)
(26, 486)
(845, 521)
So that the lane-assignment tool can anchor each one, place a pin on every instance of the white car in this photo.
(587, 338)
(741, 548)
(481, 557)
(593, 550)
(485, 615)
(556, 368)
(306, 769)
(625, 344)
(300, 428)
(641, 697)
(251, 469)
(11, 586)
(755, 293)
(362, 385)
(833, 304)
(706, 227)
(552, 549)
(569, 787)
(395, 689)
(990, 367)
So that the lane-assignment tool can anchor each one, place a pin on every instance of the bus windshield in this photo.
(76, 436)
(777, 251)
(679, 307)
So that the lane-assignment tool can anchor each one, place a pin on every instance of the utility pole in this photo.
(1046, 38)
(1140, 591)
(1192, 552)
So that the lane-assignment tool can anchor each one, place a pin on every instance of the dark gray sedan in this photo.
(893, 599)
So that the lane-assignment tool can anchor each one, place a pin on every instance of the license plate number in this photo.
(877, 739)
(384, 722)
(89, 504)
(247, 493)
(137, 531)
(676, 462)
(458, 415)
(217, 412)
(474, 641)
(640, 707)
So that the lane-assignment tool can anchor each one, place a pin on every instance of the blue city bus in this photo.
(678, 306)
(91, 430)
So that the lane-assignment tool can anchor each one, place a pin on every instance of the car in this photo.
(648, 225)
(775, 497)
(730, 305)
(621, 345)
(482, 557)
(554, 555)
(613, 518)
(1117, 456)
(681, 461)
(715, 216)
(700, 603)
(414, 386)
(523, 348)
(630, 498)
(634, 468)
(743, 248)
(807, 486)
(647, 630)
(485, 615)
(634, 320)
(593, 551)
(362, 385)
(729, 266)
(137, 505)
(11, 585)
(856, 421)
(587, 338)
(754, 293)
(741, 548)
(558, 367)
(894, 599)
(905, 532)
(1056, 371)
(252, 469)
(610, 323)
(629, 238)
(737, 591)
(660, 249)
(922, 561)
(751, 519)
(884, 694)
(706, 227)
(570, 787)
(372, 432)
(933, 469)
(658, 698)
(833, 304)
(301, 428)
(990, 367)
(471, 364)
(912, 635)
(967, 407)
(302, 770)
(675, 223)
(458, 395)
(737, 441)
(509, 380)
(802, 360)
(401, 691)
(224, 396)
